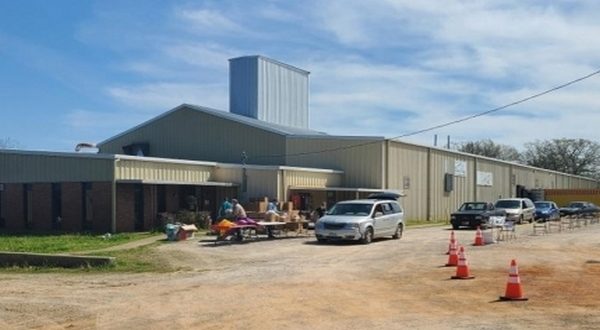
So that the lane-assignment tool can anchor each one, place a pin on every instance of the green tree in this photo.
(488, 148)
(573, 156)
(8, 143)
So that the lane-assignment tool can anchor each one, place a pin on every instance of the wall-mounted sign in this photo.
(406, 182)
(485, 179)
(460, 168)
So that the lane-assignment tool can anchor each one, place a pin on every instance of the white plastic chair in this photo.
(540, 226)
(507, 231)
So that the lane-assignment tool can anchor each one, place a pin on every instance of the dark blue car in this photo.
(546, 211)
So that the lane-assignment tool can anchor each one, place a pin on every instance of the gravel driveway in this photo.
(297, 284)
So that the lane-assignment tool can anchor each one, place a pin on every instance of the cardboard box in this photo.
(262, 206)
(288, 206)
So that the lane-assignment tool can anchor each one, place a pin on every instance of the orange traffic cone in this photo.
(452, 241)
(462, 270)
(513, 286)
(478, 237)
(453, 256)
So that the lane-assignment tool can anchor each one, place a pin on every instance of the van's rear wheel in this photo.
(398, 232)
(368, 236)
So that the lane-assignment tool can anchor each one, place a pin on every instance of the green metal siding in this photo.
(408, 173)
(127, 169)
(195, 135)
(29, 167)
(362, 165)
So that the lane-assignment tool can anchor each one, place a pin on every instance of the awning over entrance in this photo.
(332, 194)
(203, 183)
(365, 190)
(342, 192)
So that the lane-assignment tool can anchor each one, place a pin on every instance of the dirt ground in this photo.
(297, 284)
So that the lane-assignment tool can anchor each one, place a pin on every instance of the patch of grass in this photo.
(63, 243)
(137, 260)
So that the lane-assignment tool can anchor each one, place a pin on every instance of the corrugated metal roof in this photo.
(291, 67)
(274, 128)
(279, 129)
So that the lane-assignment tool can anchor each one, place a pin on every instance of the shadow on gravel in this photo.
(228, 242)
(344, 243)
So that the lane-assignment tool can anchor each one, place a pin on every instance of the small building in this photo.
(46, 191)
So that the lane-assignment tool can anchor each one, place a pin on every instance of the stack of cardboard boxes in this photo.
(258, 210)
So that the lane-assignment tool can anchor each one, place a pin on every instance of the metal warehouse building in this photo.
(263, 147)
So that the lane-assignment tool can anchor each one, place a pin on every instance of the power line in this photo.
(431, 128)
(548, 91)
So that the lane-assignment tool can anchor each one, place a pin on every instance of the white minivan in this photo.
(517, 210)
(362, 219)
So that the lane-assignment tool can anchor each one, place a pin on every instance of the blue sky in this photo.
(82, 71)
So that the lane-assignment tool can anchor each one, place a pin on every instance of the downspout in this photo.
(113, 199)
(282, 191)
(475, 178)
(512, 181)
(387, 165)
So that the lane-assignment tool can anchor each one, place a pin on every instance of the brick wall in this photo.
(72, 209)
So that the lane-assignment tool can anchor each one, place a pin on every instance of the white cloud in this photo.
(95, 126)
(208, 21)
(162, 96)
(464, 58)
(276, 13)
(385, 67)
(203, 55)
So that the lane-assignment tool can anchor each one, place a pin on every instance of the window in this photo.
(87, 215)
(56, 206)
(27, 205)
(2, 222)
(351, 209)
(138, 207)
(378, 208)
(396, 208)
(387, 208)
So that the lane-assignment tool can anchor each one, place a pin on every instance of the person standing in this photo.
(320, 212)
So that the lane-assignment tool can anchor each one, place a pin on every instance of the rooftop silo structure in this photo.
(268, 90)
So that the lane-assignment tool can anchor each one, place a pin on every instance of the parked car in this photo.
(361, 220)
(474, 214)
(517, 210)
(579, 208)
(546, 211)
